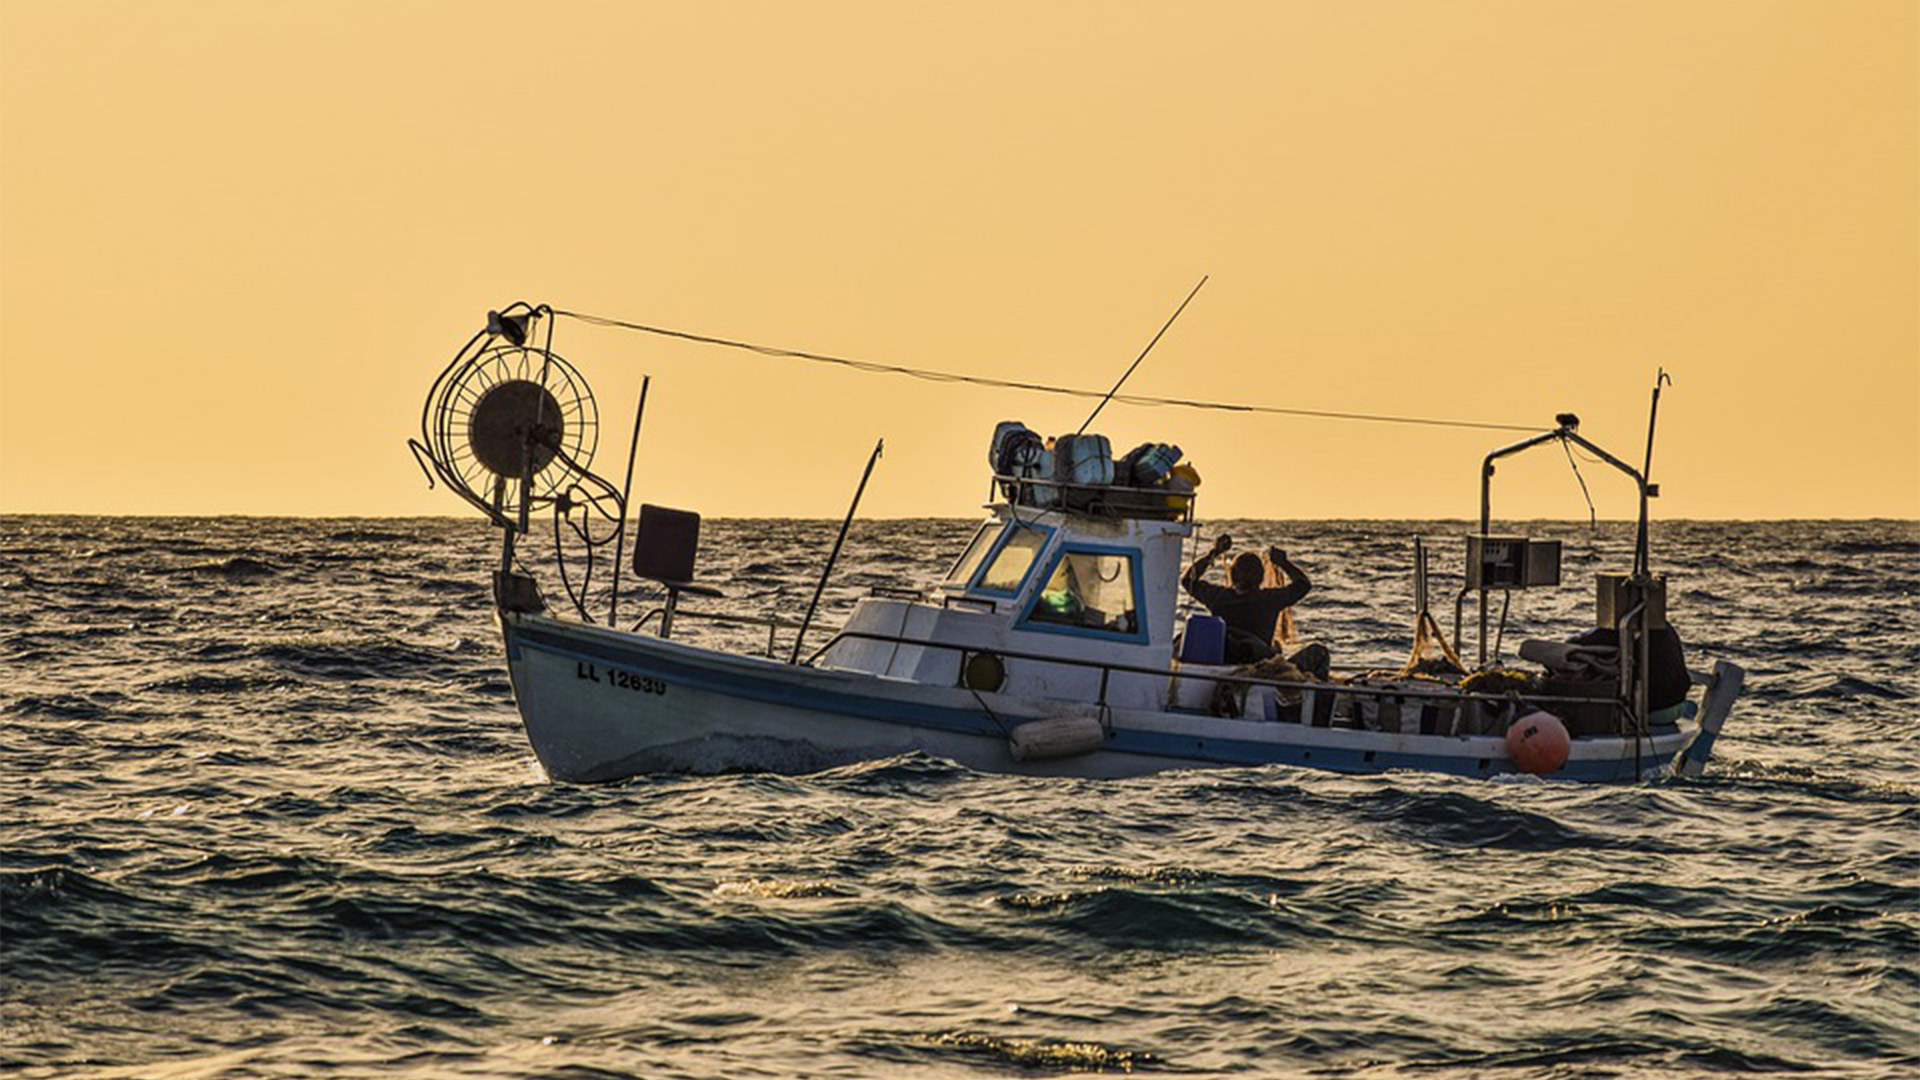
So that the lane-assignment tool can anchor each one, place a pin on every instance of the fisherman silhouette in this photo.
(1250, 611)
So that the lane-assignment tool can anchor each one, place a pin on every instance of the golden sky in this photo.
(238, 240)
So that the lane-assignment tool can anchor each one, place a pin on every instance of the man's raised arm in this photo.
(1221, 545)
(1298, 584)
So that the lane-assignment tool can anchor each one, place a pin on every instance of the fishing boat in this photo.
(1055, 645)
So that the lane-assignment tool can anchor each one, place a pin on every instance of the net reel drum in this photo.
(508, 425)
(511, 427)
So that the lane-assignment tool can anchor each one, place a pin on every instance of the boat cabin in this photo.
(1078, 588)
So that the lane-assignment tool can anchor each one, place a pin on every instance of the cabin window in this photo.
(1090, 590)
(1009, 566)
(975, 553)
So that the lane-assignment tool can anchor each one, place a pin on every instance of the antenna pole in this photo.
(800, 638)
(626, 496)
(1640, 567)
(506, 531)
(1142, 356)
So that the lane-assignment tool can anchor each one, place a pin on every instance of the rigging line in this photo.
(1040, 388)
(1593, 517)
(991, 715)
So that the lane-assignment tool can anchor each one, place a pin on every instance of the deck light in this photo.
(511, 327)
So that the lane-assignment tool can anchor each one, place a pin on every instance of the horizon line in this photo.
(4, 514)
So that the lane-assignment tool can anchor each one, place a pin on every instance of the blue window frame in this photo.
(975, 553)
(1073, 578)
(1007, 578)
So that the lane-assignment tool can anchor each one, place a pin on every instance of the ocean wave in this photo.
(1460, 820)
(24, 890)
(1875, 547)
(1134, 919)
(1019, 1055)
(1653, 1055)
(210, 683)
(370, 536)
(1831, 931)
(1848, 686)
(64, 706)
(892, 775)
(237, 568)
(348, 657)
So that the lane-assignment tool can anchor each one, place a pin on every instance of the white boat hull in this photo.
(602, 705)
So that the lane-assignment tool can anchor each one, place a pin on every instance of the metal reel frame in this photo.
(556, 471)
(562, 457)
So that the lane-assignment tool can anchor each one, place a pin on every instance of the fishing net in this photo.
(1498, 681)
(1431, 655)
(1286, 631)
(1230, 699)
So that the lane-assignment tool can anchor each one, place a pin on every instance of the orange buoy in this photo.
(1538, 743)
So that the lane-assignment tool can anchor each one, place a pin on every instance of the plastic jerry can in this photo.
(1205, 641)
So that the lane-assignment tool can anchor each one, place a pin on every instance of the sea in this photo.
(268, 812)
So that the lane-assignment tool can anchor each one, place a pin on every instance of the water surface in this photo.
(269, 813)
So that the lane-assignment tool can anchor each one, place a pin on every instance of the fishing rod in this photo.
(626, 495)
(1142, 356)
(834, 556)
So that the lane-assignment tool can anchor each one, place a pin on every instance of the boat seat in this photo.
(664, 545)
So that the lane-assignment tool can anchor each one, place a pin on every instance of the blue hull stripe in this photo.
(1207, 751)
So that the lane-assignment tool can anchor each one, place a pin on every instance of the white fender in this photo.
(1070, 731)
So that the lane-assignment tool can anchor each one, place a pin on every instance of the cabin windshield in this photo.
(1089, 590)
(976, 551)
(1008, 570)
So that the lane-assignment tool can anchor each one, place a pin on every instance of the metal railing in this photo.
(772, 623)
(1108, 669)
(1092, 499)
